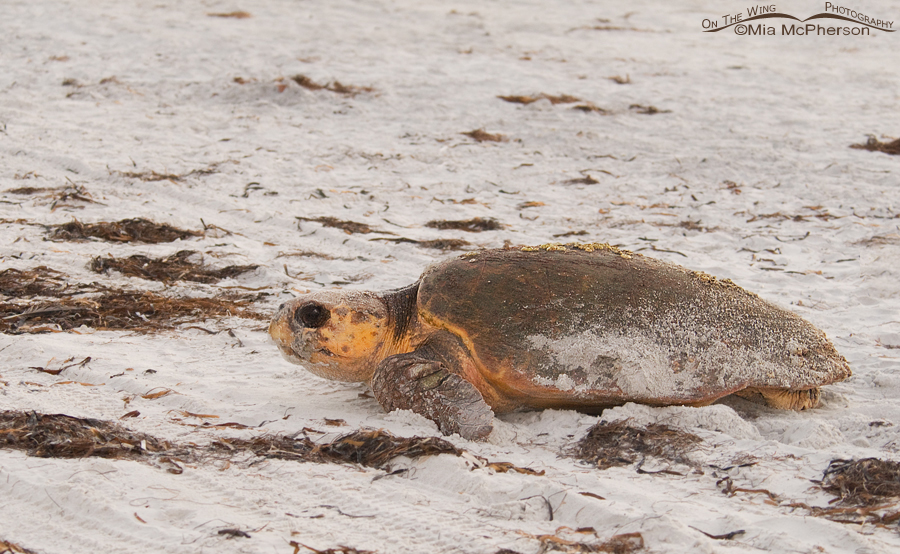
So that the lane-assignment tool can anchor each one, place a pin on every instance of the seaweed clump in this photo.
(120, 310)
(176, 267)
(371, 448)
(437, 244)
(126, 230)
(614, 444)
(480, 135)
(863, 482)
(63, 436)
(474, 225)
(349, 227)
(40, 281)
(874, 145)
(522, 99)
(333, 86)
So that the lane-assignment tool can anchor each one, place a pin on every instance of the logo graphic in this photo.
(861, 24)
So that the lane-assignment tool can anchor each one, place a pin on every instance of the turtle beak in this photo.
(280, 330)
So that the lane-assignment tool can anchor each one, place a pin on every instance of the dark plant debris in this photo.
(334, 86)
(437, 244)
(625, 543)
(27, 191)
(234, 533)
(69, 194)
(647, 110)
(126, 230)
(561, 99)
(798, 218)
(723, 536)
(619, 444)
(177, 267)
(863, 482)
(571, 234)
(880, 240)
(874, 145)
(63, 436)
(66, 196)
(337, 550)
(591, 108)
(121, 310)
(349, 227)
(305, 254)
(40, 281)
(727, 484)
(480, 135)
(7, 547)
(867, 492)
(607, 27)
(370, 448)
(64, 365)
(147, 176)
(586, 180)
(233, 15)
(474, 225)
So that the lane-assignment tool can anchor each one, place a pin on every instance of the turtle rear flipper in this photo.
(783, 399)
(413, 382)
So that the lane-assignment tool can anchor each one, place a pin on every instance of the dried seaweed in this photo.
(370, 448)
(727, 484)
(437, 244)
(59, 197)
(120, 310)
(74, 193)
(880, 240)
(40, 281)
(27, 191)
(480, 135)
(591, 108)
(874, 145)
(647, 110)
(126, 230)
(176, 267)
(586, 180)
(337, 550)
(376, 448)
(618, 444)
(561, 99)
(474, 225)
(334, 86)
(571, 234)
(349, 227)
(149, 176)
(234, 15)
(863, 482)
(625, 543)
(723, 536)
(7, 547)
(63, 436)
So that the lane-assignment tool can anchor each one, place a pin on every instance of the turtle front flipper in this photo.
(414, 382)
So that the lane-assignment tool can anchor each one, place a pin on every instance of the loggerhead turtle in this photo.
(579, 326)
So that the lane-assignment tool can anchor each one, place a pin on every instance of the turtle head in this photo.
(338, 335)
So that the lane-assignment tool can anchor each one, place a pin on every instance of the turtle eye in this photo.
(312, 315)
